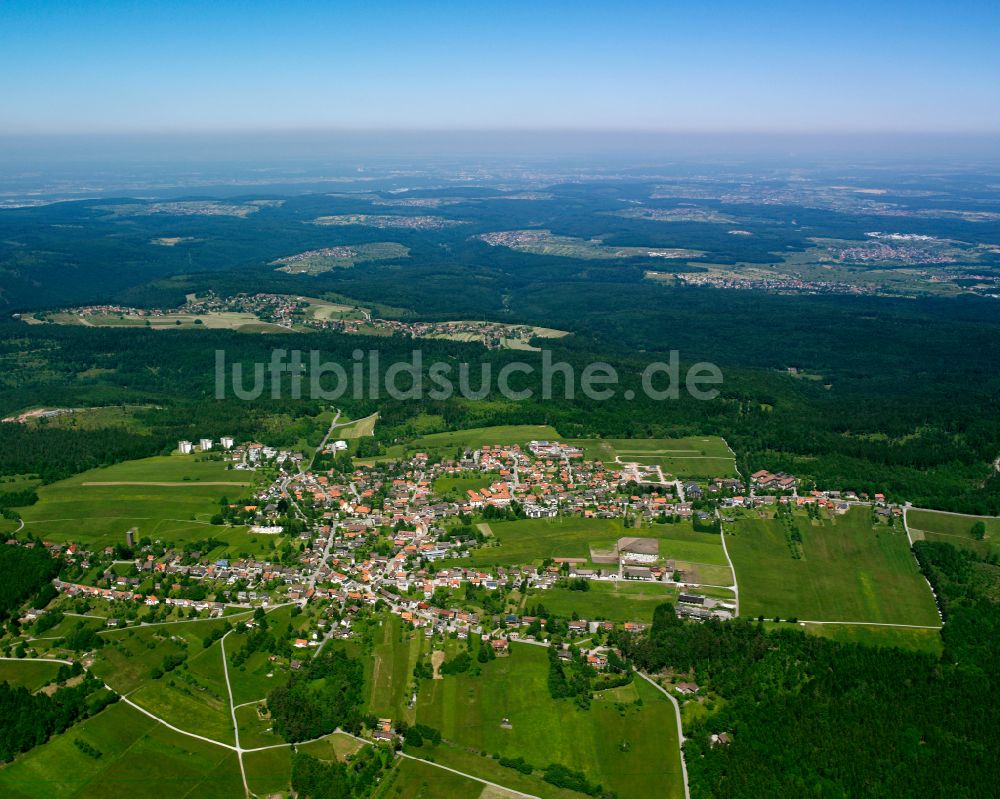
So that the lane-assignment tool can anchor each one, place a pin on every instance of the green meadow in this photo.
(527, 541)
(693, 456)
(456, 487)
(900, 637)
(269, 772)
(336, 746)
(140, 759)
(531, 540)
(30, 674)
(412, 779)
(954, 529)
(389, 671)
(628, 748)
(170, 498)
(849, 571)
(619, 601)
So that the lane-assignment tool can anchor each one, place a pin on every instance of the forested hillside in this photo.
(811, 717)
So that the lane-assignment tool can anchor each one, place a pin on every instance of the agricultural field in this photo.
(545, 242)
(389, 672)
(532, 540)
(617, 601)
(315, 262)
(336, 746)
(128, 657)
(30, 674)
(698, 555)
(268, 772)
(412, 779)
(686, 213)
(955, 529)
(171, 498)
(140, 759)
(630, 749)
(886, 264)
(512, 337)
(848, 571)
(910, 638)
(694, 456)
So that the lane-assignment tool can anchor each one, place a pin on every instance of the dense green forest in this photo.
(811, 717)
(890, 394)
(31, 719)
(324, 695)
(317, 779)
(874, 427)
(25, 571)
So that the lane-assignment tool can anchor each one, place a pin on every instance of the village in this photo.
(355, 538)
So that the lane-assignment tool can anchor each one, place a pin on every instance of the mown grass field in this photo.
(411, 779)
(99, 418)
(630, 749)
(170, 498)
(389, 671)
(954, 529)
(618, 601)
(901, 637)
(699, 555)
(141, 759)
(269, 772)
(486, 768)
(530, 540)
(30, 674)
(456, 487)
(694, 456)
(849, 571)
(336, 746)
(129, 655)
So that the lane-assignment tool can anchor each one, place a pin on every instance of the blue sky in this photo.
(713, 66)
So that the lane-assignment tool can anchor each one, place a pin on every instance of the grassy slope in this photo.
(848, 572)
(468, 711)
(99, 515)
(140, 758)
(30, 674)
(901, 637)
(954, 529)
(410, 779)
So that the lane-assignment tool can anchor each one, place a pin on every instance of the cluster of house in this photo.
(777, 482)
(342, 555)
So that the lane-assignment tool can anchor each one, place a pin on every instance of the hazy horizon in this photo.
(126, 67)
